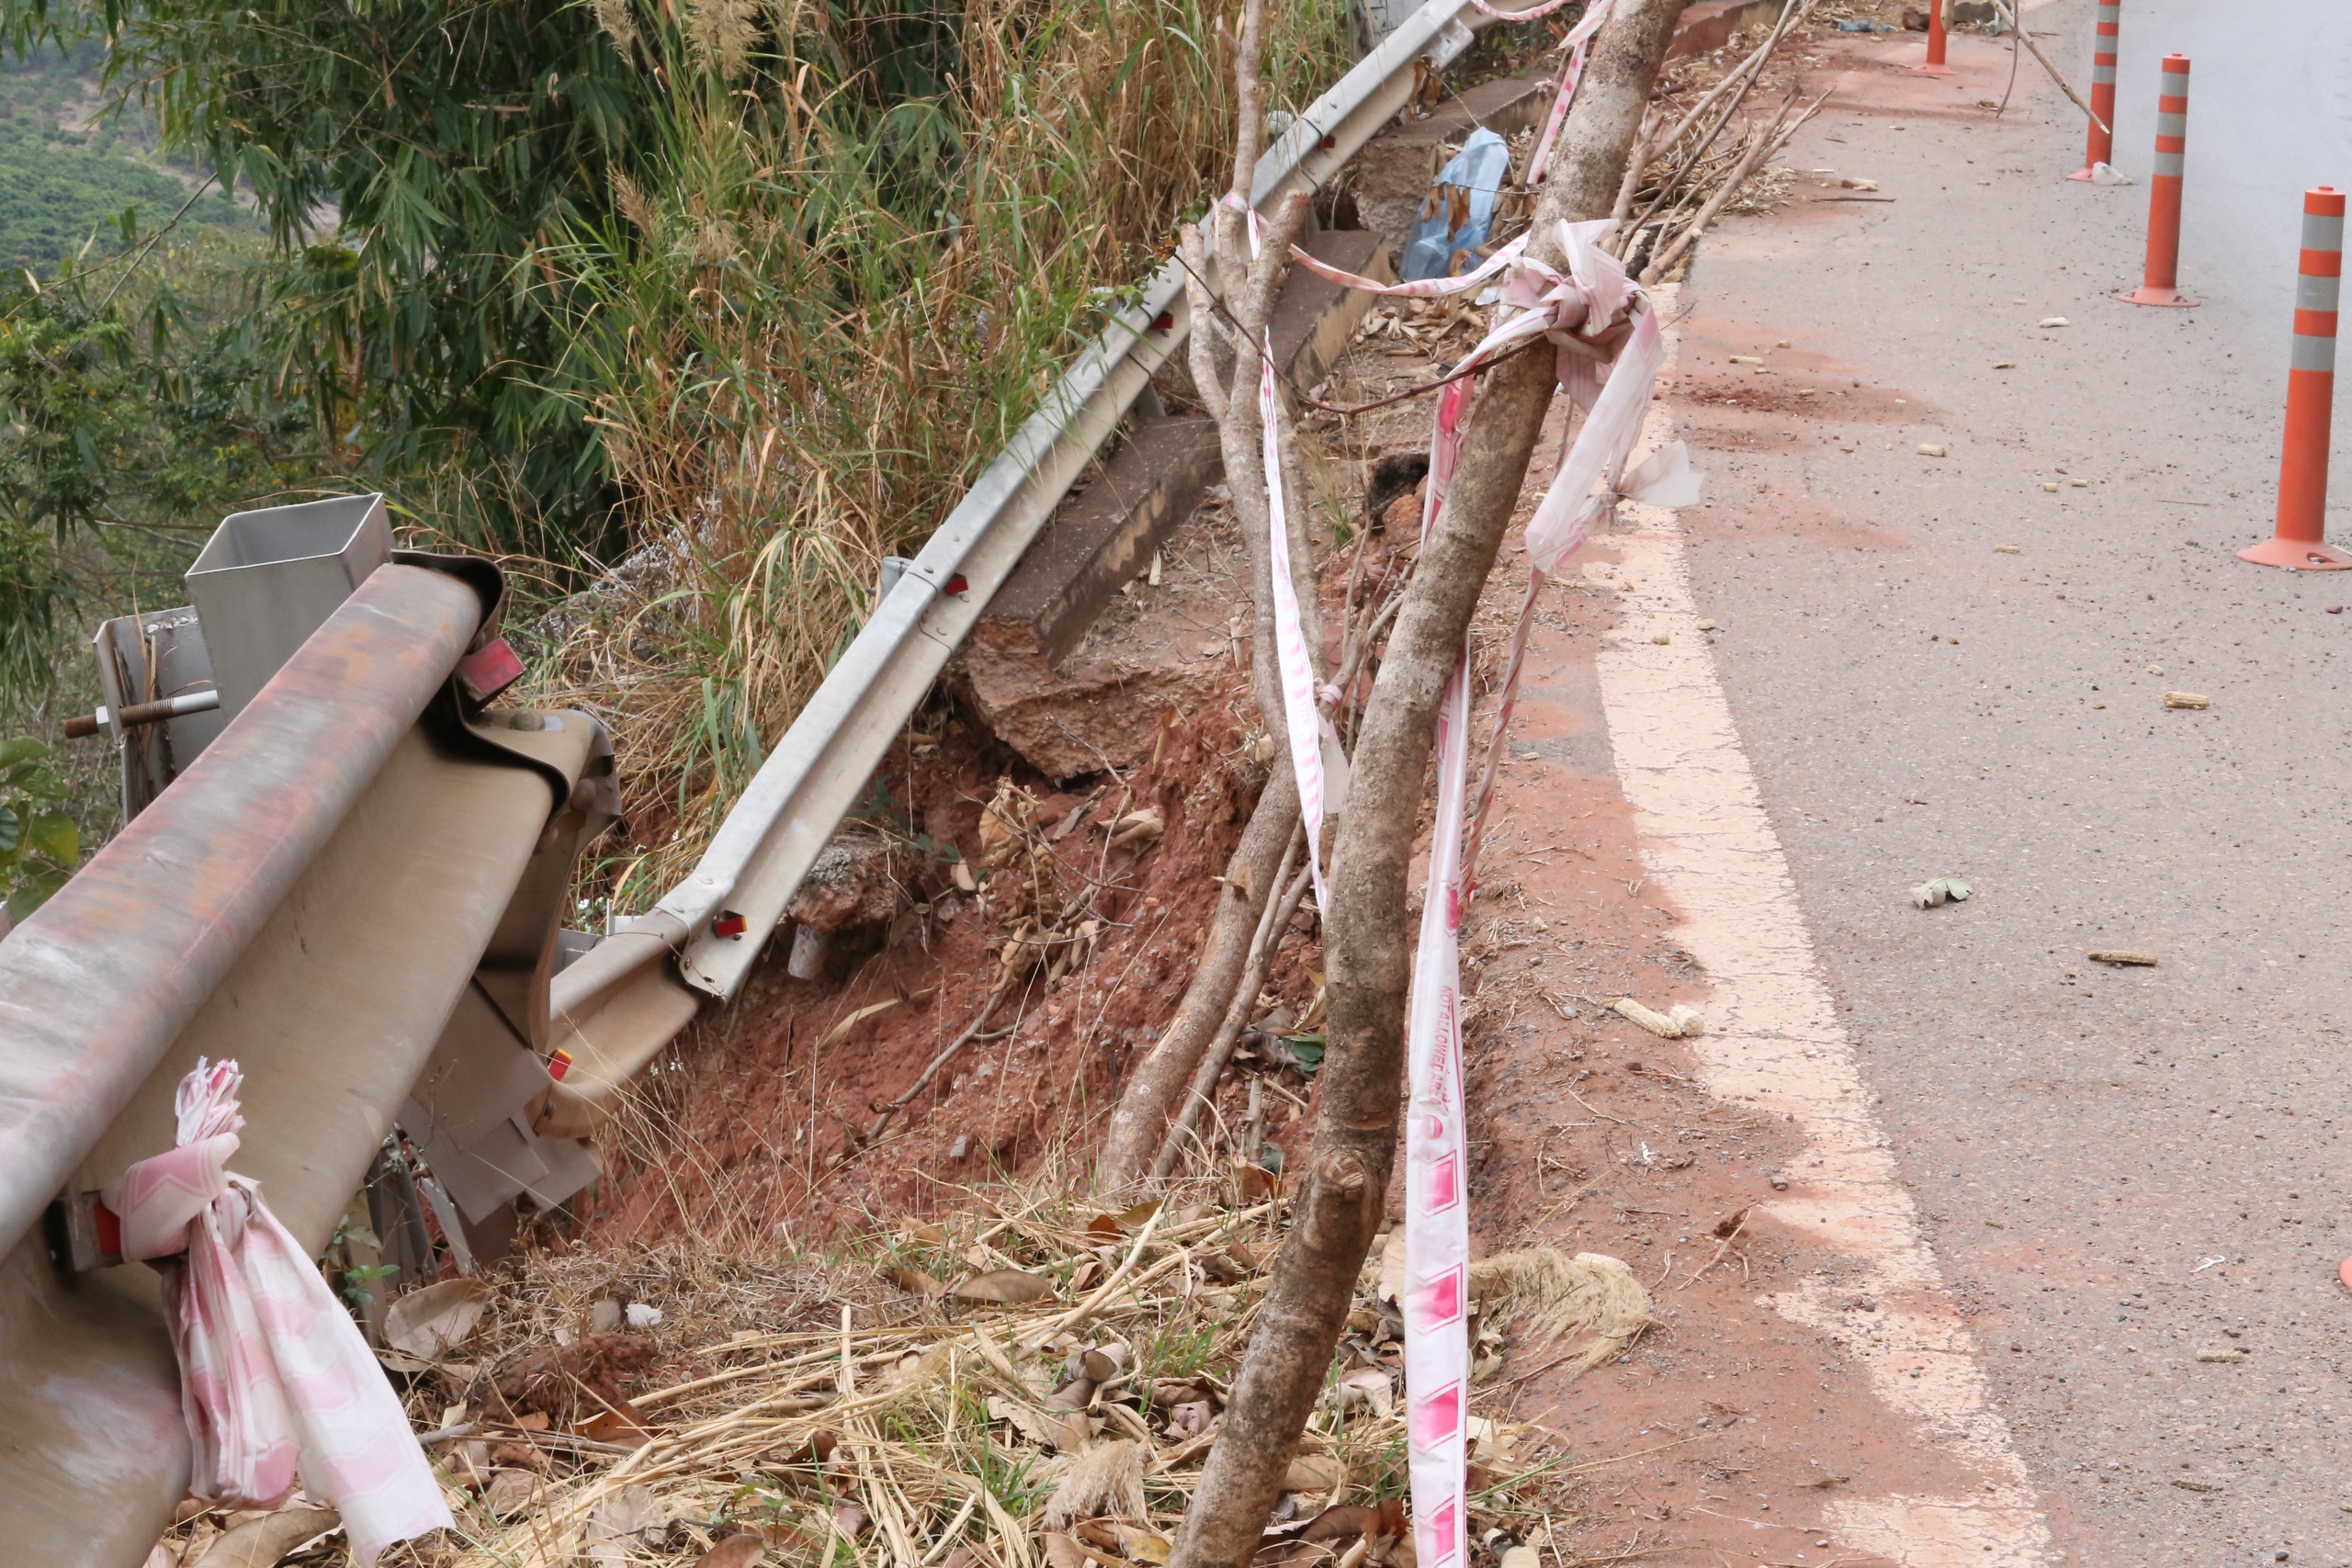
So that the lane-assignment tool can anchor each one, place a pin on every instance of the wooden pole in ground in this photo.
(1367, 931)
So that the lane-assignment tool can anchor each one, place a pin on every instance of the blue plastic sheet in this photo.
(1454, 220)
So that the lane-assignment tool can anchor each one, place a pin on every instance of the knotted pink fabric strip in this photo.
(276, 1382)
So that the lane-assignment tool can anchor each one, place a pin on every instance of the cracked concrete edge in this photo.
(1776, 1042)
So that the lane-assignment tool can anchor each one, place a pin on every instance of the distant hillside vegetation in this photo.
(61, 187)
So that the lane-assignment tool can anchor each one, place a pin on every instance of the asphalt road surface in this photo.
(2120, 1167)
(2269, 115)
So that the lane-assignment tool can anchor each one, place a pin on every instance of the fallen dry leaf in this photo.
(1004, 1287)
(1073, 1429)
(735, 1552)
(816, 1450)
(621, 1425)
(261, 1543)
(1373, 1384)
(1136, 827)
(509, 1492)
(833, 1035)
(1314, 1472)
(912, 1281)
(1141, 1545)
(1112, 1226)
(1257, 1183)
(1167, 1391)
(434, 1321)
(1190, 1419)
(633, 1513)
(1341, 1521)
(1062, 1551)
(1026, 1421)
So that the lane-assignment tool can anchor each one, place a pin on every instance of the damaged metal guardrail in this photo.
(339, 869)
(352, 887)
(618, 1005)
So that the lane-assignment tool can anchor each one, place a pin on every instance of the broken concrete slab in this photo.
(1315, 319)
(1102, 538)
(1175, 646)
(1066, 722)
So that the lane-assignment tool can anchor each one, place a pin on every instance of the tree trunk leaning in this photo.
(1367, 946)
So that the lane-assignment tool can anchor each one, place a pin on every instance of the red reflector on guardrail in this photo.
(489, 670)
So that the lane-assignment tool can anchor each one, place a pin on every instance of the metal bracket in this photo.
(84, 1234)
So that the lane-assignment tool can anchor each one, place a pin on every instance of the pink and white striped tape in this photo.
(1578, 40)
(1311, 734)
(1608, 348)
(276, 1382)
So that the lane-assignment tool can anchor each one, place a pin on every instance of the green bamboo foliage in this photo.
(824, 303)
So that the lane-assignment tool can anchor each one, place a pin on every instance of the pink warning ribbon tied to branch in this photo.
(1578, 40)
(276, 1382)
(1608, 348)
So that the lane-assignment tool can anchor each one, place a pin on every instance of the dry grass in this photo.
(1561, 1296)
(820, 322)
(847, 1418)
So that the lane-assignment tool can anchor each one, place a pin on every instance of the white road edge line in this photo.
(1773, 1039)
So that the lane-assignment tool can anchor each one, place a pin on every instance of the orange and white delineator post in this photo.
(2102, 142)
(2157, 284)
(1935, 65)
(2299, 543)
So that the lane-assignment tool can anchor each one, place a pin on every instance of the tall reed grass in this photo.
(830, 301)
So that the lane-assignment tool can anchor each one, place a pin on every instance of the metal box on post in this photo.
(268, 579)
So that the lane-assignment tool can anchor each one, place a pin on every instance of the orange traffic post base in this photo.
(1935, 65)
(2102, 142)
(2157, 282)
(2300, 542)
